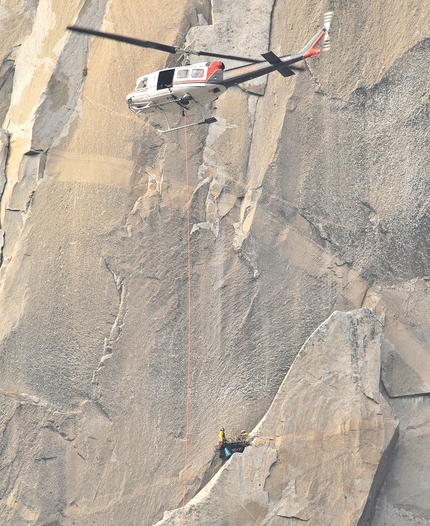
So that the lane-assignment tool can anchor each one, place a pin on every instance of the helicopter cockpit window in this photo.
(198, 73)
(142, 82)
(183, 73)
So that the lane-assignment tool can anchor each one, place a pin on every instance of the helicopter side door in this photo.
(165, 78)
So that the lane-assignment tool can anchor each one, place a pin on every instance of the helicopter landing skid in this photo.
(209, 120)
(184, 107)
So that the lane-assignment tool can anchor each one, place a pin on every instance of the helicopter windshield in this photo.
(141, 82)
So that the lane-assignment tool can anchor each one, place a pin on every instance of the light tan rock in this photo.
(315, 197)
(324, 446)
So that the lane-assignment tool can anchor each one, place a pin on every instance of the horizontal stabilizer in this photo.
(286, 72)
(273, 59)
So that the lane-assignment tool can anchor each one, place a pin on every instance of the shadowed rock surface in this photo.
(309, 196)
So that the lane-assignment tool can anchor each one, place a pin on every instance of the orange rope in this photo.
(188, 397)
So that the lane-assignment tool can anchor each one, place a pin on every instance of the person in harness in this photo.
(227, 447)
(243, 436)
(221, 436)
(224, 452)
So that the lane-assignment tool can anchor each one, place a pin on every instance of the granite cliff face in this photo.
(321, 452)
(120, 356)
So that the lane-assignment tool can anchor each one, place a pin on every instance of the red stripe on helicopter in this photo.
(313, 51)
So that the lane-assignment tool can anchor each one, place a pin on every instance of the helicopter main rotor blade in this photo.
(127, 40)
(219, 55)
(161, 47)
(155, 45)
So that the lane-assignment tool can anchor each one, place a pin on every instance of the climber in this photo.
(226, 448)
(221, 435)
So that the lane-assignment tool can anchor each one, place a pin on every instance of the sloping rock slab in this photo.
(322, 451)
(4, 152)
(400, 378)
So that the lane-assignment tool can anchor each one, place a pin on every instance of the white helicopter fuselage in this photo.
(164, 90)
(174, 90)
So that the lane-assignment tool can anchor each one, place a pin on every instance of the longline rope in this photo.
(189, 338)
(188, 392)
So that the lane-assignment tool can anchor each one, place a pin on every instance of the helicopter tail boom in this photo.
(285, 65)
(273, 59)
(310, 50)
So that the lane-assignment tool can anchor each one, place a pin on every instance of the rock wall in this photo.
(308, 196)
(321, 452)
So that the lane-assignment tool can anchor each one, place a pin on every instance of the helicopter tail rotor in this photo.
(327, 21)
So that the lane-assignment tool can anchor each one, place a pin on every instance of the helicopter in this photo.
(180, 88)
